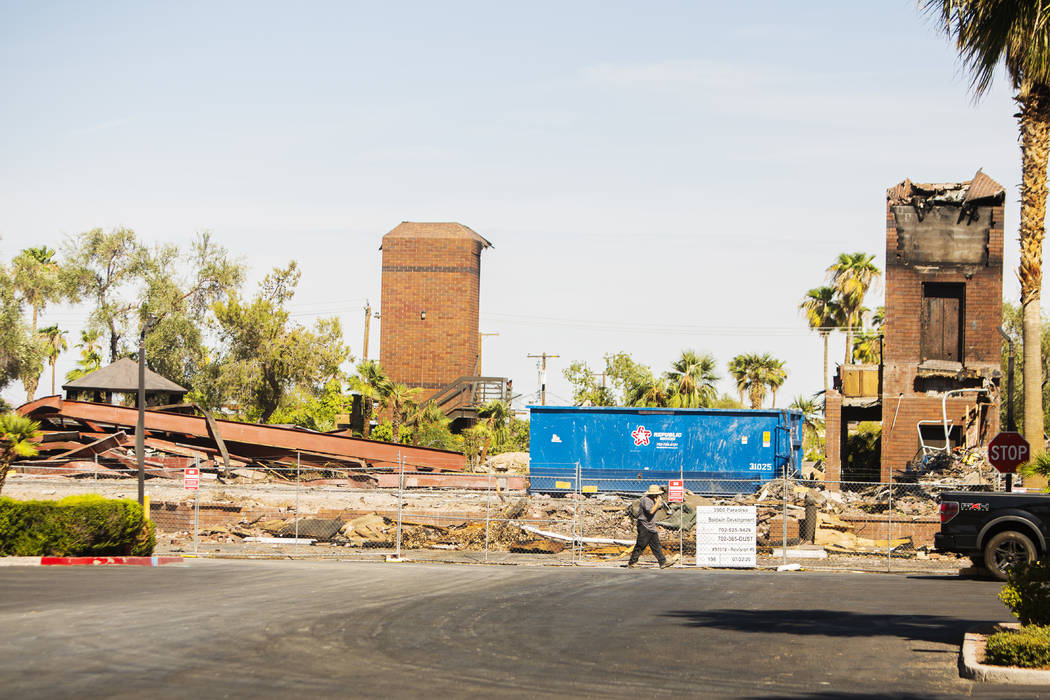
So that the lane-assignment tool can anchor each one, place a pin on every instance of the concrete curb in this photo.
(89, 561)
(970, 668)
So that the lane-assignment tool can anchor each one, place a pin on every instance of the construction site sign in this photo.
(726, 536)
(675, 491)
(191, 478)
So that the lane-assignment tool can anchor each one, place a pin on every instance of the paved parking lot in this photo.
(298, 628)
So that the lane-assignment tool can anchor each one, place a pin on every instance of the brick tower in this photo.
(431, 291)
(941, 346)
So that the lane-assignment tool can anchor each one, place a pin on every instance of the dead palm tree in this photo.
(1015, 34)
(852, 274)
(822, 309)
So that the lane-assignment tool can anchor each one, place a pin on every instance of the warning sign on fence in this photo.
(675, 491)
(191, 478)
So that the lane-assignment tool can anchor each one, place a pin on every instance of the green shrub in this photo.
(1027, 592)
(75, 526)
(1028, 647)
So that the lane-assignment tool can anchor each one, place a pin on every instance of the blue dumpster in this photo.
(623, 450)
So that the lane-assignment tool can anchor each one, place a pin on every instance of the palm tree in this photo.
(753, 373)
(650, 391)
(90, 357)
(824, 313)
(738, 369)
(16, 440)
(1016, 35)
(852, 274)
(55, 343)
(692, 380)
(776, 375)
(495, 414)
(373, 385)
(420, 417)
(866, 347)
(811, 412)
(36, 277)
(399, 399)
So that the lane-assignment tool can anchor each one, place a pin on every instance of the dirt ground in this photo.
(478, 528)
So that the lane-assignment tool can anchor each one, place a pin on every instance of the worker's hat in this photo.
(654, 490)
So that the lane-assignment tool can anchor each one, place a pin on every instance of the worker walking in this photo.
(652, 500)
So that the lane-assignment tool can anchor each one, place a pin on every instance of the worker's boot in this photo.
(666, 563)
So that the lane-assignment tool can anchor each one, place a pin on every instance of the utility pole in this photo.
(140, 424)
(368, 320)
(543, 357)
(481, 337)
(602, 375)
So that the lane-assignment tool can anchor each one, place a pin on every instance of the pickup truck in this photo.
(995, 529)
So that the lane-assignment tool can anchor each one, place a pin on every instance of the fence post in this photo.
(784, 519)
(889, 528)
(95, 473)
(400, 499)
(196, 505)
(576, 514)
(297, 465)
(488, 503)
(681, 515)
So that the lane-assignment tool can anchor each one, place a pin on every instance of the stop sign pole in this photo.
(1010, 425)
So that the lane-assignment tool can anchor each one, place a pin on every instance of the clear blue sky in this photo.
(654, 176)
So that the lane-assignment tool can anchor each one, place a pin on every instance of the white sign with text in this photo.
(726, 536)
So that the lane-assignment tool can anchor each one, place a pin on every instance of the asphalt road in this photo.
(301, 629)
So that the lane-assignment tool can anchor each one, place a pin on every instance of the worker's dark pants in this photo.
(646, 539)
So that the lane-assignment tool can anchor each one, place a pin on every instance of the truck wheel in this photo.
(1005, 550)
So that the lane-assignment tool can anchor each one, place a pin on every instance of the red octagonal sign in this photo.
(1007, 450)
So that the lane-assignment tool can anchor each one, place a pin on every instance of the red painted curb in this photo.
(100, 561)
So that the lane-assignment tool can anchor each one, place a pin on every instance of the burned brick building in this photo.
(941, 348)
(431, 291)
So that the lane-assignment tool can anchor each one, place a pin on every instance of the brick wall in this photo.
(901, 351)
(442, 277)
(920, 531)
(833, 438)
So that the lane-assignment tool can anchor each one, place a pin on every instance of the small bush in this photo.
(75, 526)
(1028, 647)
(1027, 592)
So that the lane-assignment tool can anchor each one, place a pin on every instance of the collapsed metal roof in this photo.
(181, 434)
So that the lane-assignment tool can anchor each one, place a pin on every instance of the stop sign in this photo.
(1007, 450)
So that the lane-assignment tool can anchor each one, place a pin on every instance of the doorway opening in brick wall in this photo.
(862, 452)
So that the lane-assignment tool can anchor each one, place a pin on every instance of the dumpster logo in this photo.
(641, 436)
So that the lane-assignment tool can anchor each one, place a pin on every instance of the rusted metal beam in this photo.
(376, 454)
(96, 447)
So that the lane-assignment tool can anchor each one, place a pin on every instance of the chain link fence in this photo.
(565, 517)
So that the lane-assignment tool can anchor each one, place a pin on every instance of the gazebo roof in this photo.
(123, 377)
